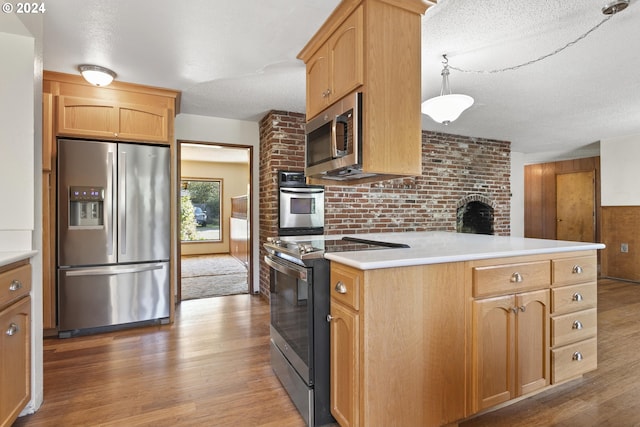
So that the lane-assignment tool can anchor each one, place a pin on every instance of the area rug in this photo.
(212, 275)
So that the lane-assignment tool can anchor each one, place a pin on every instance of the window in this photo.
(200, 207)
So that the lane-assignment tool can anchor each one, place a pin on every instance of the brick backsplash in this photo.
(453, 168)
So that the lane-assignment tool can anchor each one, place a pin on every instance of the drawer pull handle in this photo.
(13, 329)
(577, 297)
(341, 288)
(577, 356)
(516, 278)
(577, 269)
(577, 325)
(15, 285)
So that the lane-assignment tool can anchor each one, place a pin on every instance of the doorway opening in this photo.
(214, 220)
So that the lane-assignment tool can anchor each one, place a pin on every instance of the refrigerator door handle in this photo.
(109, 223)
(112, 271)
(122, 191)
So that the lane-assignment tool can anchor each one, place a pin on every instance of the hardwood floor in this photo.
(211, 368)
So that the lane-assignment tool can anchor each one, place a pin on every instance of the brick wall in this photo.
(281, 148)
(453, 168)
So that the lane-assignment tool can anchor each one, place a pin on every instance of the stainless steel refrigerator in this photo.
(113, 234)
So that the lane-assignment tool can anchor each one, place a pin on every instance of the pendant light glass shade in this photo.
(96, 75)
(447, 107)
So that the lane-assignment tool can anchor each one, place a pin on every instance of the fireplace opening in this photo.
(475, 217)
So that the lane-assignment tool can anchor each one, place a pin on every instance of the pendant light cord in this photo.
(533, 61)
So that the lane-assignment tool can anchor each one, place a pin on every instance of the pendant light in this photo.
(447, 107)
(96, 75)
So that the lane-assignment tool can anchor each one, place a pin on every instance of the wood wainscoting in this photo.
(620, 231)
(540, 204)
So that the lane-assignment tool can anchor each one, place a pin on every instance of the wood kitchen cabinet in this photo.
(397, 345)
(15, 340)
(574, 322)
(430, 345)
(97, 118)
(511, 343)
(373, 47)
(335, 70)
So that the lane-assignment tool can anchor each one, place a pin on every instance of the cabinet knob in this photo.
(516, 278)
(341, 288)
(577, 297)
(577, 269)
(329, 318)
(15, 285)
(577, 356)
(522, 308)
(13, 329)
(577, 325)
(115, 134)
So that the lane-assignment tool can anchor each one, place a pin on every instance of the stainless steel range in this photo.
(300, 303)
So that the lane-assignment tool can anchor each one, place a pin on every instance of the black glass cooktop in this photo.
(349, 244)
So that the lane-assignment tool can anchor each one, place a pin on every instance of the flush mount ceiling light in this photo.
(96, 75)
(447, 107)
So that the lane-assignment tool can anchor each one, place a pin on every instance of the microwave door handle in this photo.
(342, 121)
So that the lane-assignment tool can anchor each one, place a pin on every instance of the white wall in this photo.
(190, 127)
(21, 163)
(16, 141)
(620, 171)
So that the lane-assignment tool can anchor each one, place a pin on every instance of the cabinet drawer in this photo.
(15, 283)
(573, 298)
(345, 286)
(509, 278)
(574, 270)
(573, 327)
(574, 360)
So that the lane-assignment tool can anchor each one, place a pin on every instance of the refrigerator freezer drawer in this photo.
(112, 295)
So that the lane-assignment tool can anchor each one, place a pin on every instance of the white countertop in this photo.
(7, 258)
(434, 247)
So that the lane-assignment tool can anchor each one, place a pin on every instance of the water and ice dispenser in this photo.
(86, 207)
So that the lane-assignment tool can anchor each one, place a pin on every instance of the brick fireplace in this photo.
(454, 169)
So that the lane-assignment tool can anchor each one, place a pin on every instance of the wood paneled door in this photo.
(575, 206)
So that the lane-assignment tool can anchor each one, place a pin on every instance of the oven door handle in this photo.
(285, 269)
(302, 190)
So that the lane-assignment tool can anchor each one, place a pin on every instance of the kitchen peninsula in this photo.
(456, 324)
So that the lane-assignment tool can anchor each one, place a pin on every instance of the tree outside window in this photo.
(200, 208)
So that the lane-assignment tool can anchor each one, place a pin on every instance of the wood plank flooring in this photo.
(211, 368)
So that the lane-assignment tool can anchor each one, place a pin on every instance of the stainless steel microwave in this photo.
(334, 140)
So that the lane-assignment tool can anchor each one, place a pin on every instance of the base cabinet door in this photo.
(345, 365)
(494, 351)
(511, 347)
(15, 357)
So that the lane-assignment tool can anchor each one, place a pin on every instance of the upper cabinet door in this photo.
(87, 117)
(318, 82)
(345, 53)
(335, 70)
(143, 123)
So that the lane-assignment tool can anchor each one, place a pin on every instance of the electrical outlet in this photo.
(624, 247)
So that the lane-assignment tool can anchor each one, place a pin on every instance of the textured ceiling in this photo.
(237, 59)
